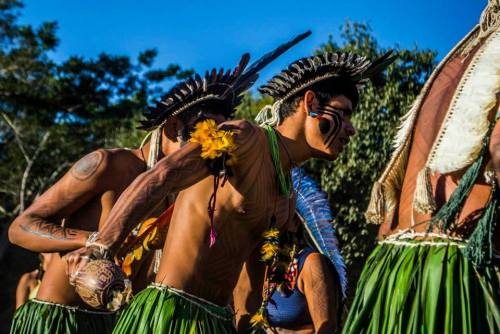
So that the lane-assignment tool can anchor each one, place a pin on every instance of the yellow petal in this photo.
(127, 270)
(271, 233)
(138, 253)
(145, 224)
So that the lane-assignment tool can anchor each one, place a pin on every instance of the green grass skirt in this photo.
(40, 317)
(414, 287)
(160, 309)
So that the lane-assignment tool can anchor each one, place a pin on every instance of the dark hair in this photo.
(209, 107)
(325, 91)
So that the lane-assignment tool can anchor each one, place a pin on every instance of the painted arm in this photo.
(320, 286)
(172, 174)
(39, 227)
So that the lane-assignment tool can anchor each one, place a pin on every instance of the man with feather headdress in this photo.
(314, 98)
(435, 269)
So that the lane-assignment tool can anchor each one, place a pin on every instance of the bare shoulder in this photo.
(247, 137)
(315, 259)
(93, 163)
(317, 265)
(26, 278)
(240, 127)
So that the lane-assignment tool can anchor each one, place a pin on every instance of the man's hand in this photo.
(77, 259)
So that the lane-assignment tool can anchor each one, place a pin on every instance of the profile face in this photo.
(330, 129)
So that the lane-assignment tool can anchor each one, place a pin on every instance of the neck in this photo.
(295, 144)
(166, 147)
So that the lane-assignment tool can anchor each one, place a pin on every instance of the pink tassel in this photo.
(211, 212)
(213, 235)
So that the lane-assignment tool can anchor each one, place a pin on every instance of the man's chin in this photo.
(326, 155)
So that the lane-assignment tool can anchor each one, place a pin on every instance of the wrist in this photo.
(99, 249)
(82, 238)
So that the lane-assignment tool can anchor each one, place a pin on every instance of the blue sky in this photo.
(201, 34)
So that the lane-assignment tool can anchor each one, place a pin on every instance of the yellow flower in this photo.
(214, 142)
(203, 131)
(271, 233)
(259, 319)
(268, 251)
(127, 264)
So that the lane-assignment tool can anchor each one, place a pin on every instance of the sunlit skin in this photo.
(243, 210)
(83, 199)
(426, 130)
(29, 281)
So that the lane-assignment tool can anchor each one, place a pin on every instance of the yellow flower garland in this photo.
(214, 142)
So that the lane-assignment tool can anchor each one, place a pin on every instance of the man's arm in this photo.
(174, 173)
(39, 227)
(171, 174)
(320, 286)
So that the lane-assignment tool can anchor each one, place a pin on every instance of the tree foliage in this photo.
(53, 113)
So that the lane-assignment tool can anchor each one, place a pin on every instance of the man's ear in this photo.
(309, 101)
(170, 129)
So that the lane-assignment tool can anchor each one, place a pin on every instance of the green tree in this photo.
(53, 113)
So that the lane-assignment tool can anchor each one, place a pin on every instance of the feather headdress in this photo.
(310, 70)
(220, 88)
(314, 210)
(307, 71)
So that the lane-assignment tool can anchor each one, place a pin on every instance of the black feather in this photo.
(307, 71)
(224, 87)
(249, 77)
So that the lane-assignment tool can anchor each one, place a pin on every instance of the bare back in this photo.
(188, 262)
(119, 168)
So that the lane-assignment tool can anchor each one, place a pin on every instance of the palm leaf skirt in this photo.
(40, 317)
(424, 287)
(160, 309)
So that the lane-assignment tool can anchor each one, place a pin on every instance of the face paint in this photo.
(336, 123)
(324, 125)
